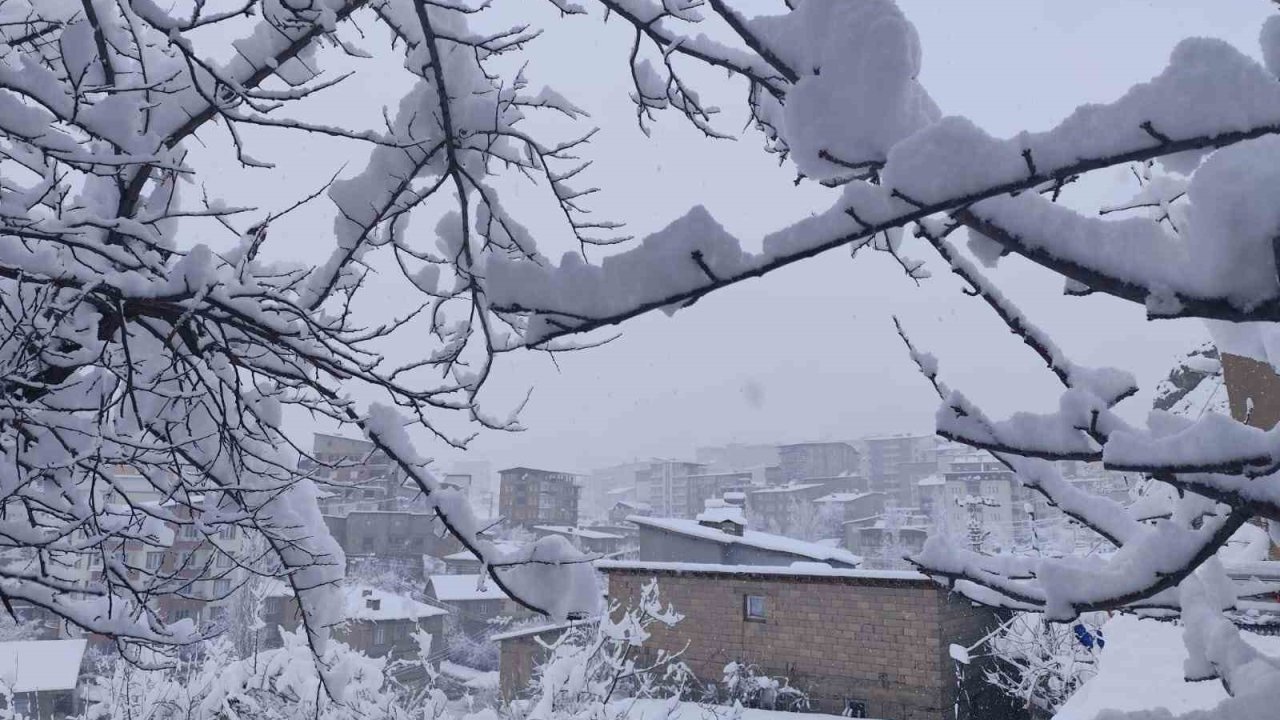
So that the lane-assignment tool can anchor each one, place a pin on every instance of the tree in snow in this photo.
(832, 87)
(592, 664)
(1039, 664)
(145, 331)
(215, 682)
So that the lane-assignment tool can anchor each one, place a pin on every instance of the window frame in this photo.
(748, 615)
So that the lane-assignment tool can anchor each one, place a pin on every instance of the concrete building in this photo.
(396, 538)
(799, 461)
(860, 643)
(664, 484)
(736, 457)
(785, 508)
(706, 486)
(624, 509)
(603, 487)
(354, 474)
(43, 677)
(379, 623)
(475, 601)
(529, 497)
(715, 542)
(852, 505)
(585, 539)
(895, 463)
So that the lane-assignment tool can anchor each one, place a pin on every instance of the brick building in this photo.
(528, 497)
(524, 648)
(861, 643)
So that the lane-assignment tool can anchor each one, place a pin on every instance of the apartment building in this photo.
(529, 497)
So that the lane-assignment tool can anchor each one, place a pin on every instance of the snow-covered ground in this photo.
(1141, 669)
(656, 710)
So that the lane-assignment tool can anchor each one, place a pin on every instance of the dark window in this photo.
(753, 608)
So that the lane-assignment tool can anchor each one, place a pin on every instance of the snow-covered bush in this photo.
(744, 685)
(1040, 664)
(594, 663)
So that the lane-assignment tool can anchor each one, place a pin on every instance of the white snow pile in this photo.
(857, 94)
(1141, 669)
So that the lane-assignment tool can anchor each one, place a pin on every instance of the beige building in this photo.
(861, 643)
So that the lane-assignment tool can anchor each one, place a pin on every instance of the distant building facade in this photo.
(860, 643)
(355, 474)
(379, 623)
(895, 463)
(395, 537)
(529, 497)
(664, 484)
(799, 461)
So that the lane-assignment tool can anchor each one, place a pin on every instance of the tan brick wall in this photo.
(880, 641)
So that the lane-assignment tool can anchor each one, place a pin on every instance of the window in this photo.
(379, 634)
(182, 613)
(753, 608)
(274, 606)
(221, 588)
(154, 559)
(228, 532)
(224, 560)
(189, 531)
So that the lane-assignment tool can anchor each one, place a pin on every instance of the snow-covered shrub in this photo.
(1039, 664)
(744, 685)
(594, 663)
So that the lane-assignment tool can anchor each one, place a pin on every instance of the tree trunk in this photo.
(1253, 391)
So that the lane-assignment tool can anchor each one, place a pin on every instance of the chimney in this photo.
(723, 516)
(374, 604)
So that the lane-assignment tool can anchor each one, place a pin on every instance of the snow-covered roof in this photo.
(931, 480)
(722, 513)
(583, 533)
(797, 569)
(39, 665)
(358, 600)
(634, 504)
(538, 629)
(793, 487)
(390, 606)
(463, 588)
(502, 547)
(750, 538)
(845, 497)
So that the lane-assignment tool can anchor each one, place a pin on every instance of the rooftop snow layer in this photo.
(39, 665)
(799, 569)
(751, 538)
(462, 588)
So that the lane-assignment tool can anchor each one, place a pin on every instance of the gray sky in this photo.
(809, 352)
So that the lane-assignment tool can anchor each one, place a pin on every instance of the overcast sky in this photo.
(809, 352)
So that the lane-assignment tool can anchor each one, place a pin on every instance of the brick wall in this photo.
(883, 642)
